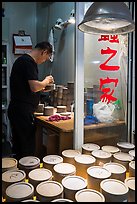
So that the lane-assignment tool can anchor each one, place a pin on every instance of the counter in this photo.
(54, 137)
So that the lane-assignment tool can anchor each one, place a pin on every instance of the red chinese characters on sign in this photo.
(106, 67)
(110, 38)
(104, 83)
(108, 93)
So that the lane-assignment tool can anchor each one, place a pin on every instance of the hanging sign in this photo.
(104, 82)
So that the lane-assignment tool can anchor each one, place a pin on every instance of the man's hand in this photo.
(49, 80)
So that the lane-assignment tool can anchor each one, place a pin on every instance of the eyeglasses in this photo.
(50, 56)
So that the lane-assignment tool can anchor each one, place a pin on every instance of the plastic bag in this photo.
(103, 111)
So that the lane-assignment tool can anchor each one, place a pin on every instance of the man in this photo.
(25, 92)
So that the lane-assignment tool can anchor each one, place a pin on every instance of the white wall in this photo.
(18, 16)
(37, 19)
(63, 64)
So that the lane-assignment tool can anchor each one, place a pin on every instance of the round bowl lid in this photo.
(30, 200)
(132, 164)
(85, 159)
(126, 145)
(19, 190)
(52, 159)
(61, 106)
(115, 168)
(111, 149)
(41, 104)
(65, 113)
(48, 107)
(71, 153)
(114, 186)
(90, 146)
(49, 188)
(130, 182)
(8, 162)
(29, 161)
(13, 176)
(98, 172)
(64, 168)
(74, 182)
(101, 154)
(62, 200)
(40, 174)
(89, 195)
(123, 156)
(132, 152)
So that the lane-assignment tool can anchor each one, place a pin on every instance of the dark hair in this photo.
(44, 46)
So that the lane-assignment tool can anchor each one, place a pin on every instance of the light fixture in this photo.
(107, 18)
(72, 17)
(60, 24)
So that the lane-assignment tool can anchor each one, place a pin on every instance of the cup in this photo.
(50, 87)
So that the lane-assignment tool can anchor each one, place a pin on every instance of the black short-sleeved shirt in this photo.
(24, 69)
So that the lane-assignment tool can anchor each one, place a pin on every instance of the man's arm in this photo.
(36, 85)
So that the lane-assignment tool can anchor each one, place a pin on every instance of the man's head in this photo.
(43, 52)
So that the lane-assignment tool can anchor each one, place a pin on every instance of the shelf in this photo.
(4, 87)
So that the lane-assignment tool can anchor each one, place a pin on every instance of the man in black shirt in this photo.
(25, 92)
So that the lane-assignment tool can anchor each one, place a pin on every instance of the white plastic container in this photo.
(125, 146)
(48, 110)
(19, 191)
(118, 171)
(89, 195)
(87, 148)
(29, 163)
(9, 163)
(11, 177)
(102, 157)
(69, 154)
(132, 153)
(50, 160)
(49, 190)
(72, 184)
(131, 168)
(111, 149)
(130, 183)
(123, 158)
(61, 109)
(82, 163)
(114, 190)
(40, 108)
(63, 169)
(39, 175)
(50, 87)
(95, 175)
